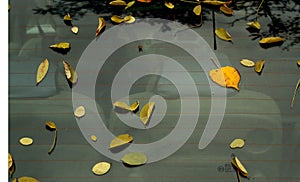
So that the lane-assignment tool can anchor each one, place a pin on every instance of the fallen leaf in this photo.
(120, 140)
(298, 62)
(146, 112)
(237, 143)
(254, 24)
(50, 125)
(70, 72)
(223, 34)
(169, 5)
(93, 138)
(67, 17)
(295, 93)
(240, 167)
(8, 7)
(79, 111)
(133, 107)
(131, 3)
(213, 2)
(61, 45)
(10, 161)
(269, 40)
(134, 159)
(226, 77)
(11, 170)
(247, 62)
(144, 1)
(226, 10)
(74, 29)
(259, 65)
(101, 25)
(197, 10)
(101, 168)
(27, 179)
(117, 19)
(42, 71)
(118, 3)
(14, 180)
(129, 19)
(26, 141)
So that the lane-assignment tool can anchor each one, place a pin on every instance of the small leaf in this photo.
(10, 161)
(26, 141)
(117, 19)
(79, 111)
(67, 17)
(11, 170)
(129, 19)
(70, 72)
(295, 92)
(269, 40)
(61, 45)
(101, 168)
(74, 29)
(259, 65)
(298, 62)
(118, 3)
(226, 10)
(237, 143)
(240, 167)
(197, 10)
(146, 112)
(51, 125)
(134, 159)
(27, 179)
(213, 2)
(247, 63)
(223, 34)
(101, 25)
(254, 24)
(120, 140)
(131, 3)
(93, 138)
(226, 77)
(144, 1)
(169, 5)
(42, 71)
(124, 106)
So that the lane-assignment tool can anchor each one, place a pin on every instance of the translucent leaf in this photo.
(131, 3)
(42, 71)
(75, 29)
(144, 1)
(237, 143)
(240, 167)
(226, 10)
(67, 17)
(254, 24)
(79, 111)
(26, 141)
(197, 10)
(247, 62)
(134, 159)
(93, 138)
(169, 5)
(61, 45)
(129, 19)
(117, 19)
(269, 40)
(259, 65)
(101, 168)
(146, 112)
(101, 25)
(124, 106)
(70, 72)
(118, 3)
(120, 140)
(295, 92)
(27, 179)
(223, 34)
(226, 77)
(50, 125)
(213, 2)
(10, 161)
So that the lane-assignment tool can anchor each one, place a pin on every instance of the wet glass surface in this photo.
(260, 112)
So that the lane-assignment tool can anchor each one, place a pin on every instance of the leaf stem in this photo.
(54, 142)
(295, 92)
(259, 8)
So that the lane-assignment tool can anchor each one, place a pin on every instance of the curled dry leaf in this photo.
(79, 112)
(254, 24)
(129, 19)
(61, 45)
(226, 10)
(226, 77)
(269, 40)
(134, 159)
(93, 138)
(239, 166)
(42, 71)
(259, 65)
(67, 17)
(146, 112)
(295, 93)
(120, 140)
(10, 161)
(70, 72)
(131, 3)
(101, 25)
(50, 125)
(213, 2)
(116, 19)
(197, 10)
(101, 168)
(223, 34)
(75, 29)
(133, 107)
(27, 179)
(118, 3)
(169, 5)
(26, 141)
(237, 143)
(144, 1)
(247, 63)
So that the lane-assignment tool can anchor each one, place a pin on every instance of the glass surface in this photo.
(260, 112)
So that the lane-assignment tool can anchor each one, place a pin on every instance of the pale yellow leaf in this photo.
(129, 19)
(93, 138)
(240, 167)
(134, 159)
(118, 3)
(146, 112)
(101, 25)
(79, 112)
(237, 143)
(213, 2)
(117, 19)
(247, 62)
(169, 5)
(226, 10)
(67, 17)
(197, 10)
(61, 45)
(101, 168)
(259, 66)
(223, 34)
(75, 29)
(42, 71)
(131, 3)
(254, 24)
(70, 72)
(120, 140)
(124, 106)
(27, 179)
(26, 141)
(298, 62)
(10, 161)
(269, 40)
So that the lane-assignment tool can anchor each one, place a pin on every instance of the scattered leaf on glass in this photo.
(120, 140)
(134, 159)
(213, 2)
(169, 5)
(50, 125)
(75, 29)
(116, 19)
(133, 107)
(26, 141)
(70, 72)
(42, 71)
(101, 25)
(254, 24)
(131, 3)
(79, 112)
(259, 65)
(118, 3)
(146, 112)
(223, 34)
(67, 17)
(93, 138)
(129, 19)
(295, 93)
(101, 168)
(226, 76)
(237, 143)
(240, 167)
(10, 161)
(269, 40)
(226, 10)
(197, 10)
(298, 62)
(27, 179)
(61, 45)
(247, 63)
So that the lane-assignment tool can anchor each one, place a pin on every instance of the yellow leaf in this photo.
(247, 63)
(169, 5)
(51, 125)
(269, 40)
(298, 62)
(197, 10)
(117, 19)
(240, 167)
(226, 77)
(101, 25)
(295, 92)
(10, 161)
(93, 138)
(254, 24)
(26, 141)
(61, 45)
(70, 72)
(67, 17)
(123, 105)
(146, 112)
(226, 10)
(134, 159)
(120, 140)
(101, 168)
(237, 143)
(131, 3)
(27, 179)
(144, 1)
(213, 2)
(74, 29)
(223, 34)
(129, 19)
(11, 170)
(118, 3)
(42, 71)
(259, 66)
(79, 111)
